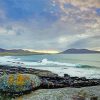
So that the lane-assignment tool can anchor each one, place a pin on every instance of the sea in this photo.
(80, 65)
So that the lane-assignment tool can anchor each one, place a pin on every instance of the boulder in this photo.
(19, 82)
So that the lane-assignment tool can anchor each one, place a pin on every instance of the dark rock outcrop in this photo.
(49, 79)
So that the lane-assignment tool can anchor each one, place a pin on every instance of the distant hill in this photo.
(4, 52)
(12, 50)
(79, 51)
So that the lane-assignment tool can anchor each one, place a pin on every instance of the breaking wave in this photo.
(55, 66)
(45, 62)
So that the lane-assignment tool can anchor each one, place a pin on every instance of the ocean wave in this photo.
(8, 60)
(46, 61)
(85, 66)
(57, 67)
(43, 62)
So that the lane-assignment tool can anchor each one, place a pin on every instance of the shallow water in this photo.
(80, 65)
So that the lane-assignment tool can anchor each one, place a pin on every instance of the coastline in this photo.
(53, 84)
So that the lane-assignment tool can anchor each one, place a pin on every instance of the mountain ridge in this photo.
(26, 52)
(4, 52)
(79, 51)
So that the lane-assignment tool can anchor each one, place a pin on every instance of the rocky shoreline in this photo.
(49, 79)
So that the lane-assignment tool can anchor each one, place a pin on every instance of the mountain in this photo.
(12, 50)
(79, 51)
(2, 50)
(16, 52)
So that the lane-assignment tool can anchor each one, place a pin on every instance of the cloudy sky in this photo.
(50, 24)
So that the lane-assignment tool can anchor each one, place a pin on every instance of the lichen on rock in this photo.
(19, 82)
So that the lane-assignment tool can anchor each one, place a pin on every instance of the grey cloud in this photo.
(40, 34)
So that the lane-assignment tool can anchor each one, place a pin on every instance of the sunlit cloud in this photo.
(50, 24)
(63, 40)
(43, 51)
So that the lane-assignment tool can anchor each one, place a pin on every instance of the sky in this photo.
(50, 24)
